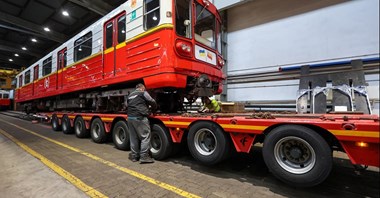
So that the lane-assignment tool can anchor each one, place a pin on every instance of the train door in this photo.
(114, 34)
(61, 64)
(20, 84)
(35, 80)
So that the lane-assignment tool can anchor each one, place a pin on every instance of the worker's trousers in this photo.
(139, 135)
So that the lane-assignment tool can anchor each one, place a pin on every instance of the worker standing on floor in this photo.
(211, 106)
(140, 134)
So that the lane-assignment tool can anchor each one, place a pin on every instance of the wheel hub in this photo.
(205, 141)
(294, 155)
(156, 142)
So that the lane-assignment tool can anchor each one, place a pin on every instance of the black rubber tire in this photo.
(120, 135)
(66, 126)
(215, 138)
(301, 141)
(80, 128)
(97, 131)
(161, 142)
(55, 123)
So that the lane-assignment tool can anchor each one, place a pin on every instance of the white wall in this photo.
(306, 33)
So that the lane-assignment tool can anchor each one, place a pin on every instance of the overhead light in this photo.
(24, 48)
(16, 55)
(154, 18)
(46, 29)
(10, 60)
(65, 13)
(34, 40)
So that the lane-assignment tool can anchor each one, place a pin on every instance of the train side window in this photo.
(35, 73)
(151, 13)
(121, 26)
(83, 47)
(27, 77)
(20, 81)
(109, 35)
(46, 66)
(5, 96)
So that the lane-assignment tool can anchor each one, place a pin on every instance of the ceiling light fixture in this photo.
(46, 29)
(16, 55)
(10, 60)
(24, 48)
(65, 13)
(34, 40)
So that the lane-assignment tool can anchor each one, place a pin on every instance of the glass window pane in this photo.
(65, 58)
(27, 77)
(151, 13)
(205, 27)
(121, 29)
(183, 18)
(60, 56)
(35, 73)
(83, 47)
(109, 35)
(46, 66)
(20, 81)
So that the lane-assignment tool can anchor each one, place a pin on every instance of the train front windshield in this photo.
(206, 29)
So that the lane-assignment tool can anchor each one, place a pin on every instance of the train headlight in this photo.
(184, 48)
(221, 61)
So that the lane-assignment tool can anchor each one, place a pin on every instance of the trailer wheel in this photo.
(80, 128)
(161, 142)
(97, 131)
(66, 126)
(55, 123)
(297, 155)
(120, 135)
(208, 143)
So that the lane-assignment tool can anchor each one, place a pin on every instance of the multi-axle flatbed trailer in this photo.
(297, 148)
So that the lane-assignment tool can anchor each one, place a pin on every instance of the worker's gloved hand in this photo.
(202, 110)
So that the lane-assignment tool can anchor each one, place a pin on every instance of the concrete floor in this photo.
(108, 171)
(22, 175)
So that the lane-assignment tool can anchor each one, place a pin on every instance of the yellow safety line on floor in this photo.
(62, 172)
(111, 164)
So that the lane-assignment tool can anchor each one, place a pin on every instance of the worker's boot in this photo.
(133, 157)
(144, 159)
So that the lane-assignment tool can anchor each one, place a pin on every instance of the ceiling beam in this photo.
(19, 51)
(20, 30)
(96, 6)
(52, 35)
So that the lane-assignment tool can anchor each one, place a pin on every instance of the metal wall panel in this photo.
(264, 35)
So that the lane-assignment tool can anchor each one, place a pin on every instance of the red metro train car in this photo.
(5, 101)
(173, 47)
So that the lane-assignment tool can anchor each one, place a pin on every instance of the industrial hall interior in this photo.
(189, 98)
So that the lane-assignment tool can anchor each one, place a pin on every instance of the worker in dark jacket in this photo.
(139, 129)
